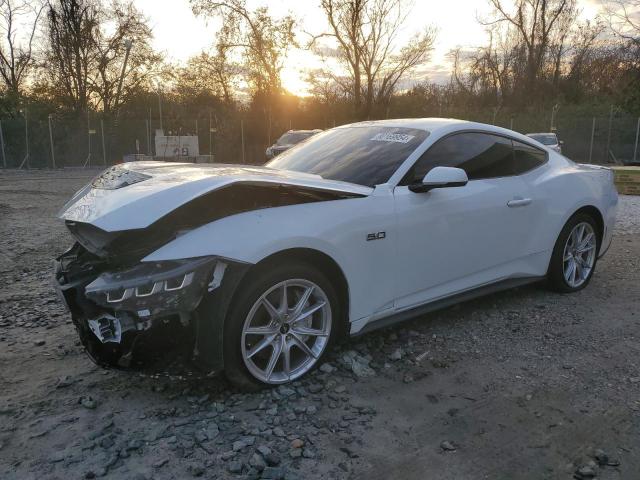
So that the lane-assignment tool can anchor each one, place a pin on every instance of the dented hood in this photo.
(134, 195)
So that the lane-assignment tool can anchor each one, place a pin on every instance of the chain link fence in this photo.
(97, 141)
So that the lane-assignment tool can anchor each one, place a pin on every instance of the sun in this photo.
(299, 61)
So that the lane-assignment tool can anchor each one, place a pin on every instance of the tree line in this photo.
(77, 58)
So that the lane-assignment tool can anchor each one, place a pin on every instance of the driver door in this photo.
(457, 238)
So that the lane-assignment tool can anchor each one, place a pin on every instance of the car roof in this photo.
(428, 124)
(315, 130)
(542, 133)
(440, 126)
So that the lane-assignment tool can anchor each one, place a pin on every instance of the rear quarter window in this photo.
(527, 157)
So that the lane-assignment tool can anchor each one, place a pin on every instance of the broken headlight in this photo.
(152, 288)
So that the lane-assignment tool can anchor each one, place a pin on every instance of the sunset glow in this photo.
(180, 34)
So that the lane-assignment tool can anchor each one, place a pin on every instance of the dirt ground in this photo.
(525, 384)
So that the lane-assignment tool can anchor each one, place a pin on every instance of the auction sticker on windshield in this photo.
(392, 137)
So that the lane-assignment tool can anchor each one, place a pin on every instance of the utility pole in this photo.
(53, 156)
(128, 44)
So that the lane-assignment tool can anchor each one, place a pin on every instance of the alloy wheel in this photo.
(579, 254)
(286, 331)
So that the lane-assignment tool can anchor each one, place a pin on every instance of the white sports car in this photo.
(359, 227)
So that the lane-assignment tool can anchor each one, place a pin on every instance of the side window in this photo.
(527, 157)
(481, 155)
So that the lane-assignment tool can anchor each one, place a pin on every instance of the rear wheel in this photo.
(281, 324)
(575, 254)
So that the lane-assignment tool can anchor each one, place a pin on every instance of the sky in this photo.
(180, 34)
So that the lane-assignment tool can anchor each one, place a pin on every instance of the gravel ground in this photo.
(524, 384)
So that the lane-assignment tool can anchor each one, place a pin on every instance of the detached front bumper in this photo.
(112, 307)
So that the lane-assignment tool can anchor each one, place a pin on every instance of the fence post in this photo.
(26, 136)
(606, 154)
(26, 139)
(242, 138)
(511, 123)
(160, 110)
(593, 131)
(4, 157)
(148, 130)
(554, 110)
(53, 155)
(104, 150)
(635, 148)
(88, 160)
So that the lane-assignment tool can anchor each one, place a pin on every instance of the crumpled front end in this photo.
(113, 306)
(130, 211)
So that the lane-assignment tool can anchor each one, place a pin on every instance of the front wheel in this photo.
(575, 254)
(280, 325)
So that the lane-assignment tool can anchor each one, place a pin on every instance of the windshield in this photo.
(292, 138)
(545, 138)
(366, 155)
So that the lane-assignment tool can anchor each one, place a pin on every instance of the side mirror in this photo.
(441, 177)
(561, 142)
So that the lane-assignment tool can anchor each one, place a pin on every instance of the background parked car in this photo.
(548, 139)
(288, 140)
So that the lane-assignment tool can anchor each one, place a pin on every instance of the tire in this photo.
(559, 273)
(248, 313)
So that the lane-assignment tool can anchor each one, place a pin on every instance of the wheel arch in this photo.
(596, 214)
(318, 259)
(209, 342)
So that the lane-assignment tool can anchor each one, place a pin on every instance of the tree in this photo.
(490, 73)
(366, 33)
(209, 73)
(88, 46)
(262, 40)
(16, 48)
(72, 29)
(128, 41)
(624, 22)
(624, 19)
(537, 23)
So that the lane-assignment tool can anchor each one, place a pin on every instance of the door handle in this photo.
(518, 202)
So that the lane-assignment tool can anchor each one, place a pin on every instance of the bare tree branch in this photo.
(18, 22)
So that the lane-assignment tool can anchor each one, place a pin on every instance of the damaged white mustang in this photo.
(361, 226)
